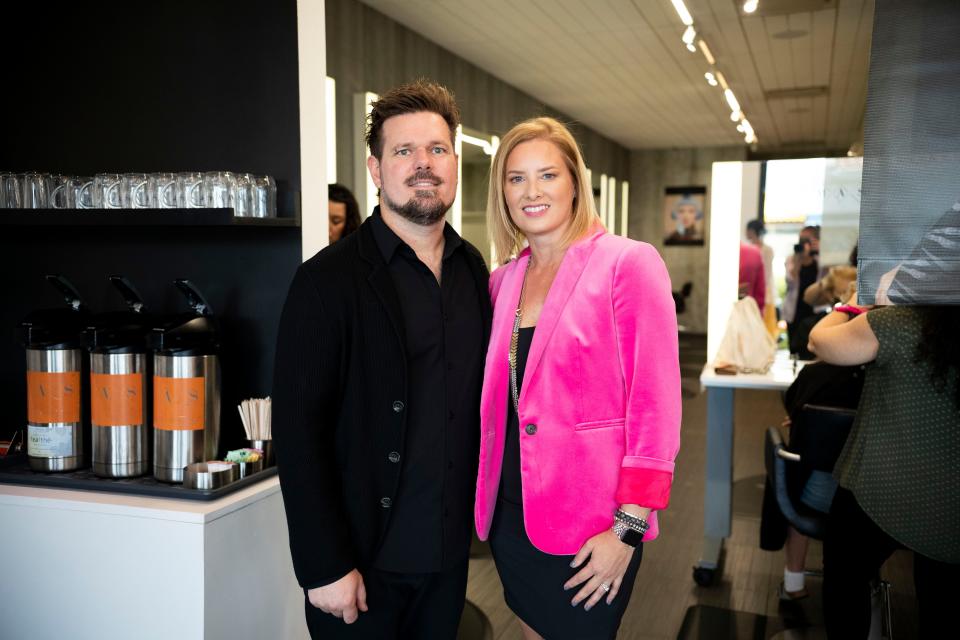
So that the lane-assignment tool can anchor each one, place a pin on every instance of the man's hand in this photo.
(345, 598)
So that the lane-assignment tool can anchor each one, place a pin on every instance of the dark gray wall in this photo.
(367, 51)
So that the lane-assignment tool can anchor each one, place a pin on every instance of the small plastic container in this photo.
(249, 468)
(209, 475)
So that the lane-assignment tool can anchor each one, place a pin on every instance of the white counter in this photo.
(86, 564)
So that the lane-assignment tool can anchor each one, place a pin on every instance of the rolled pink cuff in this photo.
(644, 487)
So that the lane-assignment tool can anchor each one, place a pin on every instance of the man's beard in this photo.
(425, 208)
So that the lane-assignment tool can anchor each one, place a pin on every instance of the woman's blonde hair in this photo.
(507, 238)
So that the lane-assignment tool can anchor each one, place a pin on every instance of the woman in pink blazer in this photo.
(580, 410)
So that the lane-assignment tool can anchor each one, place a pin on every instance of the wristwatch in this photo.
(627, 536)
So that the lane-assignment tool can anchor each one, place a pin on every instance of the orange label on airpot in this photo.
(116, 399)
(178, 404)
(53, 397)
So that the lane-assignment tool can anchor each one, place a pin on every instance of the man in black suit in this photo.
(376, 393)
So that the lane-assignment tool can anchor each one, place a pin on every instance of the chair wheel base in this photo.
(704, 576)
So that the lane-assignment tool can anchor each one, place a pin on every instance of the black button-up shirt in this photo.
(431, 516)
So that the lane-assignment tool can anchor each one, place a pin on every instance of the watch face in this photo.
(627, 535)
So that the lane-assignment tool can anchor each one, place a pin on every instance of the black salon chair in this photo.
(680, 297)
(824, 431)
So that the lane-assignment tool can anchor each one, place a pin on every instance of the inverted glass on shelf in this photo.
(10, 190)
(35, 191)
(106, 191)
(162, 191)
(218, 189)
(243, 195)
(264, 197)
(190, 190)
(134, 193)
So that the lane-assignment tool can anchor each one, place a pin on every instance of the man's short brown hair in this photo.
(415, 97)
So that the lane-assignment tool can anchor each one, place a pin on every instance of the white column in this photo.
(725, 207)
(624, 209)
(312, 62)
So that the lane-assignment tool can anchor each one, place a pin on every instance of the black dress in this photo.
(533, 580)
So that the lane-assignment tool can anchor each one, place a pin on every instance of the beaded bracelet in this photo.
(634, 522)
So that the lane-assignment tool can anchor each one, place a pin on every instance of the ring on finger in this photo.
(605, 586)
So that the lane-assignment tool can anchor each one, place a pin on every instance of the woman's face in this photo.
(539, 189)
(687, 215)
(338, 219)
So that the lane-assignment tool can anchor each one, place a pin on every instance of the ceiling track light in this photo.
(731, 100)
(706, 52)
(681, 8)
(713, 79)
(722, 81)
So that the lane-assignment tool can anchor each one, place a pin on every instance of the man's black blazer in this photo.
(339, 403)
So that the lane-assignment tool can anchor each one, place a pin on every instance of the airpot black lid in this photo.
(124, 331)
(192, 332)
(58, 328)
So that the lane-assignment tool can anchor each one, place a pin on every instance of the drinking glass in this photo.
(133, 191)
(11, 195)
(34, 190)
(106, 191)
(218, 187)
(264, 197)
(162, 190)
(190, 190)
(243, 196)
(62, 194)
(82, 187)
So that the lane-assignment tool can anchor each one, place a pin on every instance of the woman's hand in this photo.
(608, 561)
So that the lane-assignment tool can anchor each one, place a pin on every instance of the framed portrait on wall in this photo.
(684, 216)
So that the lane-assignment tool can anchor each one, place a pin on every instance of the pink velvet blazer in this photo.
(602, 387)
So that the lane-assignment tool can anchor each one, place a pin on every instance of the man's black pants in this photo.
(853, 552)
(401, 606)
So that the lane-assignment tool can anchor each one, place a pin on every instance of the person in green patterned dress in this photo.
(899, 472)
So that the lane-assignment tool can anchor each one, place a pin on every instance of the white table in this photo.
(717, 503)
(87, 564)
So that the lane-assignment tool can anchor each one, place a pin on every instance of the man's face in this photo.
(417, 173)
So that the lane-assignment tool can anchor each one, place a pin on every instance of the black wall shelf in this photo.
(136, 218)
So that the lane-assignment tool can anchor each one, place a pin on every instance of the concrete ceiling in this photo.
(797, 67)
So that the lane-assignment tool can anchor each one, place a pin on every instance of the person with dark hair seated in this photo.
(898, 472)
(810, 482)
(344, 212)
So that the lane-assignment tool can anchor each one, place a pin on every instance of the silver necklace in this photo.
(515, 342)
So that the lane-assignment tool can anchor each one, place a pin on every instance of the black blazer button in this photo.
(397, 406)
(531, 429)
(393, 456)
(386, 503)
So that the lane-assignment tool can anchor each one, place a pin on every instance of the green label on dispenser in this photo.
(49, 442)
